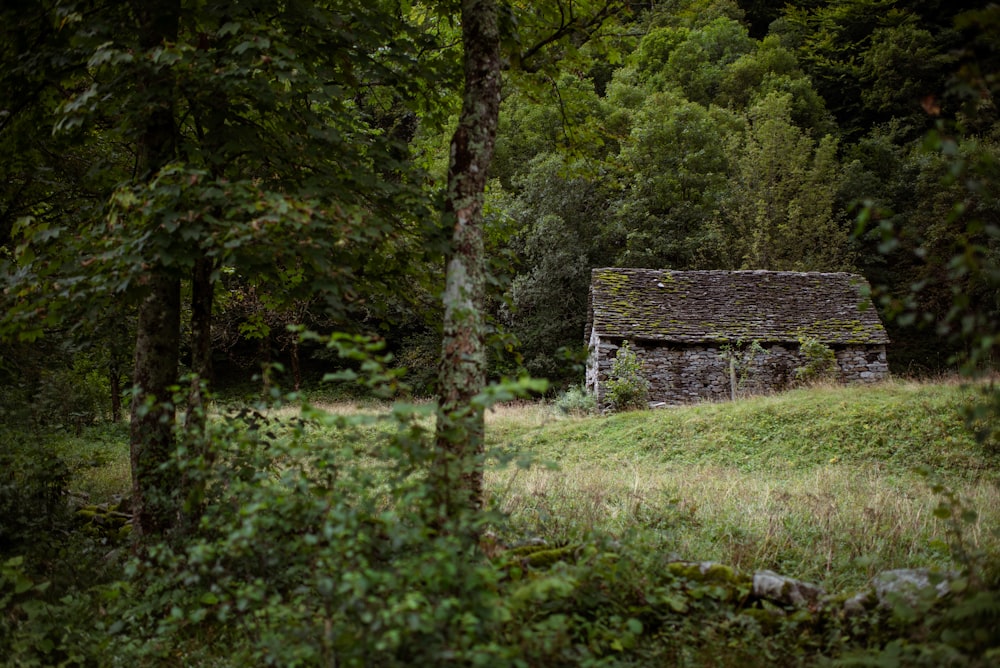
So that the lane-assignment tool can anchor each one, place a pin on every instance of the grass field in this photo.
(829, 484)
(319, 529)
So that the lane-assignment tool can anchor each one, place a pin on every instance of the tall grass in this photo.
(818, 483)
(836, 525)
(828, 483)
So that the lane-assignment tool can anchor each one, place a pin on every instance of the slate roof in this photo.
(700, 306)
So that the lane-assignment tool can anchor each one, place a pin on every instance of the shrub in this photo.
(320, 543)
(820, 361)
(33, 508)
(742, 358)
(576, 401)
(627, 388)
(56, 387)
(316, 547)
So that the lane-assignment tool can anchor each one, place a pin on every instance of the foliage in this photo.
(779, 209)
(38, 629)
(627, 388)
(676, 159)
(742, 357)
(303, 552)
(316, 541)
(319, 538)
(820, 361)
(63, 385)
(576, 401)
(34, 508)
(555, 253)
(302, 168)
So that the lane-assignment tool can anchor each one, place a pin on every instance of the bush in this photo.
(52, 389)
(820, 361)
(320, 542)
(33, 507)
(627, 389)
(316, 547)
(576, 401)
(43, 627)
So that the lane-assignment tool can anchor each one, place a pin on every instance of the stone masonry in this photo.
(680, 324)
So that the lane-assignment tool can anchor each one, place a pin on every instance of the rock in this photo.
(545, 558)
(905, 582)
(789, 592)
(857, 604)
(707, 572)
(909, 582)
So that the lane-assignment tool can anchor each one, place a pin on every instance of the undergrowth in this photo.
(315, 546)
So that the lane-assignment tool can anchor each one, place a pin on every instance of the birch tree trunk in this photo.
(458, 477)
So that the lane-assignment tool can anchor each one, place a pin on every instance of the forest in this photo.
(271, 273)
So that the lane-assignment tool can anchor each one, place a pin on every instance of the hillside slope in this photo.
(904, 425)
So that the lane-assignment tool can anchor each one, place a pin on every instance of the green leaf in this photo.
(229, 28)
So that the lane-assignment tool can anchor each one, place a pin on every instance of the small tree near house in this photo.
(741, 358)
(628, 389)
(820, 361)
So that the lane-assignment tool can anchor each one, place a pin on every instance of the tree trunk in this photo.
(115, 385)
(732, 377)
(152, 430)
(158, 327)
(117, 358)
(459, 437)
(296, 364)
(202, 295)
(193, 481)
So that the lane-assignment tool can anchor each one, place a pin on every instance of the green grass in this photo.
(901, 425)
(818, 483)
(821, 483)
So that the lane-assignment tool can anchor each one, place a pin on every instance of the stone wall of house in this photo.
(684, 374)
(863, 364)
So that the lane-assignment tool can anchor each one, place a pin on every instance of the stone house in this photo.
(686, 326)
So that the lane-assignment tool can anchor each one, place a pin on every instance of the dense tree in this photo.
(561, 215)
(676, 163)
(779, 209)
(255, 151)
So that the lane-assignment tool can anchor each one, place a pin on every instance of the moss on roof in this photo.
(696, 306)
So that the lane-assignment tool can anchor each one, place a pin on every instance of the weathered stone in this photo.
(769, 586)
(908, 583)
(708, 572)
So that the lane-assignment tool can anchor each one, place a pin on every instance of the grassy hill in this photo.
(823, 483)
(904, 425)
